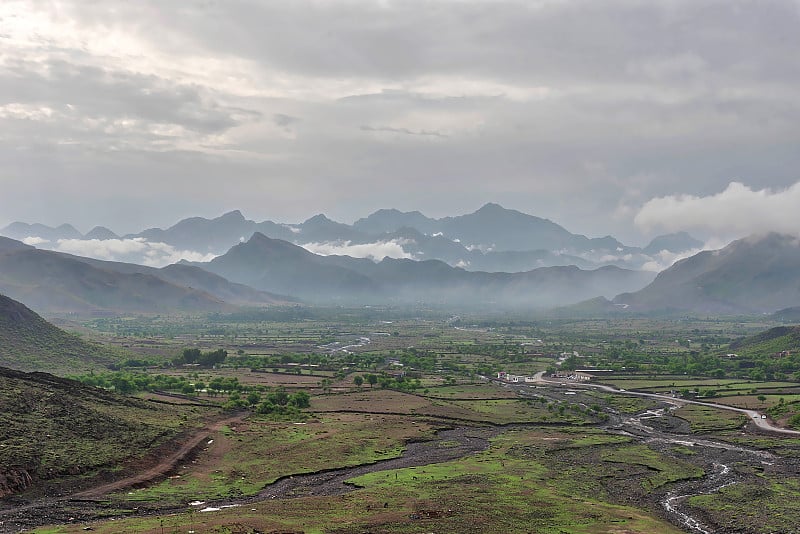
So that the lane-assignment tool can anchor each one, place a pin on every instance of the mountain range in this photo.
(59, 283)
(430, 265)
(493, 239)
(279, 266)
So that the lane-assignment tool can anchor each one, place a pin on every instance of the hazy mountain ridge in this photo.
(279, 266)
(753, 275)
(492, 238)
(57, 283)
(758, 274)
(51, 282)
(196, 278)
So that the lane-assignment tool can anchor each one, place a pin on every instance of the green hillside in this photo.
(29, 343)
(53, 428)
(769, 342)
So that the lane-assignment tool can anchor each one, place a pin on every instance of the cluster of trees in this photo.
(370, 379)
(127, 382)
(418, 359)
(203, 359)
(270, 402)
(388, 382)
(632, 357)
(324, 361)
(278, 404)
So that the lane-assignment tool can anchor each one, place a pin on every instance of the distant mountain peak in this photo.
(675, 242)
(101, 233)
(318, 218)
(492, 206)
(263, 242)
(234, 215)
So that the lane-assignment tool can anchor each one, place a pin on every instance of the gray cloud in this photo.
(284, 120)
(405, 131)
(134, 115)
(737, 211)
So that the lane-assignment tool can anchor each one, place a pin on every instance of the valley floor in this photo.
(640, 471)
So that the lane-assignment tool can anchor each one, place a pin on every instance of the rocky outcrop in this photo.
(14, 480)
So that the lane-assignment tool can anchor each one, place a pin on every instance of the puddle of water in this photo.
(218, 508)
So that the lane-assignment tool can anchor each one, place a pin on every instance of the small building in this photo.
(578, 376)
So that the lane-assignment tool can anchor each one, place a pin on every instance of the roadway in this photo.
(753, 415)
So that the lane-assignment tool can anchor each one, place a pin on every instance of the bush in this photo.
(794, 421)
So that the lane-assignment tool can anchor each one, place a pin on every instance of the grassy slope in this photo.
(770, 341)
(52, 428)
(29, 343)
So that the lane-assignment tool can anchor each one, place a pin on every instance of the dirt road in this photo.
(163, 467)
(753, 415)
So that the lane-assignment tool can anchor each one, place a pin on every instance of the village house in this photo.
(514, 379)
(580, 376)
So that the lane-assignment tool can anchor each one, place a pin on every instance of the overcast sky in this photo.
(616, 117)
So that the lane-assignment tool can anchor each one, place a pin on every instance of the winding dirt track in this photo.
(164, 466)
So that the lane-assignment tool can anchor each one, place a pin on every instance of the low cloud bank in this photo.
(133, 250)
(374, 251)
(666, 259)
(735, 212)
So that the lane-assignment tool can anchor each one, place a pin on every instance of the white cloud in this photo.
(136, 250)
(665, 258)
(35, 240)
(374, 251)
(734, 212)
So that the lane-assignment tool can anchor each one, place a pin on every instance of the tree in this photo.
(325, 384)
(372, 379)
(210, 359)
(190, 355)
(253, 398)
(358, 380)
(301, 399)
(278, 397)
(123, 385)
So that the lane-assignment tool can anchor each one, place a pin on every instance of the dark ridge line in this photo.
(472, 399)
(197, 404)
(182, 396)
(472, 422)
